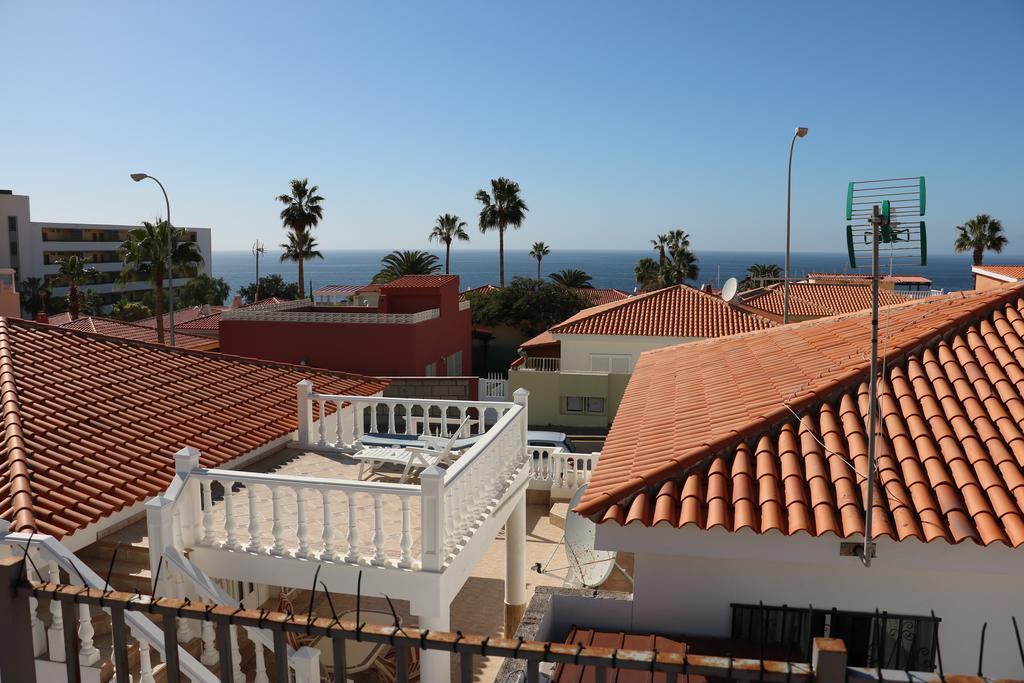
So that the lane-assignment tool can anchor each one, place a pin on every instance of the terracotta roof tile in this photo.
(181, 316)
(416, 281)
(211, 323)
(677, 311)
(807, 300)
(123, 330)
(766, 430)
(1008, 273)
(599, 297)
(862, 278)
(91, 422)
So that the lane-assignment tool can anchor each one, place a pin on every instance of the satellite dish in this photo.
(587, 566)
(729, 289)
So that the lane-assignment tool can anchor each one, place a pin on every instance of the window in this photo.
(12, 223)
(430, 370)
(610, 362)
(454, 364)
(892, 641)
(589, 405)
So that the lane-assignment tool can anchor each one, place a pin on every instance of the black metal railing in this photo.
(873, 639)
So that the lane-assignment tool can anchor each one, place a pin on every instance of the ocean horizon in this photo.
(608, 268)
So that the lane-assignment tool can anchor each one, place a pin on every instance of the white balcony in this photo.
(541, 364)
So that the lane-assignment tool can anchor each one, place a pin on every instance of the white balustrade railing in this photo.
(337, 422)
(542, 364)
(562, 468)
(335, 520)
(493, 388)
(291, 311)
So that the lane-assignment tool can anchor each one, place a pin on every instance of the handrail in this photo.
(389, 401)
(317, 483)
(482, 444)
(140, 625)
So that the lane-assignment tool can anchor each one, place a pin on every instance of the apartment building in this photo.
(33, 248)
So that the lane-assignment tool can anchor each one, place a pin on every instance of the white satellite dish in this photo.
(588, 567)
(729, 289)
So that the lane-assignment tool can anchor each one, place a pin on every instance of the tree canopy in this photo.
(675, 265)
(272, 285)
(572, 277)
(527, 304)
(203, 289)
(400, 263)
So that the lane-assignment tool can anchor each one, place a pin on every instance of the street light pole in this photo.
(798, 133)
(170, 255)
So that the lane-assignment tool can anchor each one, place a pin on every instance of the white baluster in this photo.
(409, 427)
(55, 634)
(229, 517)
(353, 530)
(236, 657)
(373, 418)
(323, 422)
(391, 419)
(145, 663)
(38, 629)
(254, 522)
(357, 421)
(277, 530)
(207, 493)
(339, 442)
(406, 543)
(87, 652)
(449, 521)
(184, 628)
(210, 656)
(261, 663)
(300, 523)
(328, 533)
(378, 529)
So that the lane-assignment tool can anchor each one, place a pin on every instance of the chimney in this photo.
(41, 317)
(237, 301)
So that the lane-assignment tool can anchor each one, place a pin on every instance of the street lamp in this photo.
(137, 177)
(798, 133)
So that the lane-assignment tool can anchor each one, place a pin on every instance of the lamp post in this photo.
(798, 133)
(137, 177)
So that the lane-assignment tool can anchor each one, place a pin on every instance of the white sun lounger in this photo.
(412, 459)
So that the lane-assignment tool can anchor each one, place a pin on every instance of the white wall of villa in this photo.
(578, 350)
(687, 578)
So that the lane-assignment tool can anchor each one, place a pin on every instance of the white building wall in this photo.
(576, 349)
(687, 578)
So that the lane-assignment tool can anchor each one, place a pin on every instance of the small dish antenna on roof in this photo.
(586, 566)
(729, 289)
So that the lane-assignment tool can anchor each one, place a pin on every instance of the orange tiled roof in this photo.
(862, 278)
(677, 311)
(58, 319)
(818, 300)
(482, 289)
(91, 422)
(1011, 273)
(211, 323)
(408, 281)
(599, 297)
(182, 315)
(762, 431)
(123, 330)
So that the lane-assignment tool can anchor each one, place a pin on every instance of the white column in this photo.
(435, 665)
(38, 629)
(306, 663)
(55, 634)
(515, 566)
(303, 390)
(432, 519)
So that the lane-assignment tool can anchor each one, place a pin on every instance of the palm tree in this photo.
(647, 274)
(681, 263)
(73, 271)
(660, 244)
(572, 277)
(400, 263)
(303, 210)
(538, 252)
(761, 274)
(89, 302)
(34, 295)
(502, 208)
(144, 255)
(446, 229)
(293, 252)
(978, 235)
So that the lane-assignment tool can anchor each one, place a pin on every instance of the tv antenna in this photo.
(895, 221)
(729, 290)
(257, 251)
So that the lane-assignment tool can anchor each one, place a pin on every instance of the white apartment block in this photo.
(32, 249)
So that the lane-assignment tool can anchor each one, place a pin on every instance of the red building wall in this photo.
(366, 348)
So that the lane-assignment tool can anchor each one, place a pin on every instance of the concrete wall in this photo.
(454, 388)
(687, 578)
(984, 282)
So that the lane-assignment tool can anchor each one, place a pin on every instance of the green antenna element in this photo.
(901, 204)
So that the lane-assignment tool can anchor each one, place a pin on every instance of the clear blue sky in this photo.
(618, 119)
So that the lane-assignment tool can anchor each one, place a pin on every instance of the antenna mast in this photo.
(257, 251)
